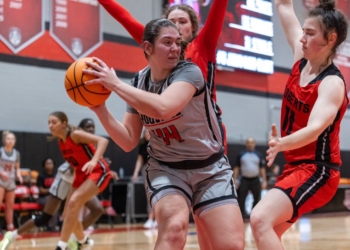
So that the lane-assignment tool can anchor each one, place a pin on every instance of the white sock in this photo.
(14, 234)
(83, 240)
(62, 245)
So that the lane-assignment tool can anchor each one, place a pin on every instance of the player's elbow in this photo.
(104, 141)
(165, 112)
(128, 147)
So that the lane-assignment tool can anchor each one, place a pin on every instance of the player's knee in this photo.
(236, 243)
(176, 231)
(95, 207)
(42, 219)
(258, 223)
(97, 210)
(74, 205)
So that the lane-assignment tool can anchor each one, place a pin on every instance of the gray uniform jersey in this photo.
(8, 162)
(193, 133)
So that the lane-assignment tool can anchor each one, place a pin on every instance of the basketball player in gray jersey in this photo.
(187, 170)
(9, 170)
(194, 120)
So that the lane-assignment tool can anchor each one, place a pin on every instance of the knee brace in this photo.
(42, 219)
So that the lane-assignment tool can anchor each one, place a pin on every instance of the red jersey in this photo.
(79, 154)
(297, 104)
(201, 50)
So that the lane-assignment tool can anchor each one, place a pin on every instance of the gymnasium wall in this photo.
(32, 82)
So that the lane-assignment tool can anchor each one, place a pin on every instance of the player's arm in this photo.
(125, 134)
(291, 26)
(138, 166)
(163, 106)
(82, 137)
(330, 97)
(331, 94)
(208, 37)
(119, 13)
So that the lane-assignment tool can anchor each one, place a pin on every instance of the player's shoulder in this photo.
(331, 79)
(186, 66)
(140, 76)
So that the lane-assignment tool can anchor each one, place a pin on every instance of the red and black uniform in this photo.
(311, 176)
(201, 50)
(79, 154)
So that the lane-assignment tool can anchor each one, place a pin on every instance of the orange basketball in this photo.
(85, 95)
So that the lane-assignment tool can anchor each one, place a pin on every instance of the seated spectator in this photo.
(44, 182)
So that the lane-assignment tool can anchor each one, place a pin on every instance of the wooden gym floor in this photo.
(309, 233)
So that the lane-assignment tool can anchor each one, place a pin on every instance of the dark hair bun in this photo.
(327, 4)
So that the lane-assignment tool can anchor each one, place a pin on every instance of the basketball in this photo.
(85, 95)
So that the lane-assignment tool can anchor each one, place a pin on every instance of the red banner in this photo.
(21, 22)
(75, 25)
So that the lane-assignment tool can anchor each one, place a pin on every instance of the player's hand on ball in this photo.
(99, 108)
(105, 75)
(274, 145)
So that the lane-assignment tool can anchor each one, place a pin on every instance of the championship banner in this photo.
(21, 23)
(76, 26)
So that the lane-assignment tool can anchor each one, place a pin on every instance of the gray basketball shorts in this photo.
(60, 188)
(9, 185)
(203, 188)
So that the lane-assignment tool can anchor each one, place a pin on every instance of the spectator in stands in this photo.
(9, 170)
(44, 182)
(251, 167)
(141, 165)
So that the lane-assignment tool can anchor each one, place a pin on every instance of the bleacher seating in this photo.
(25, 204)
(25, 197)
